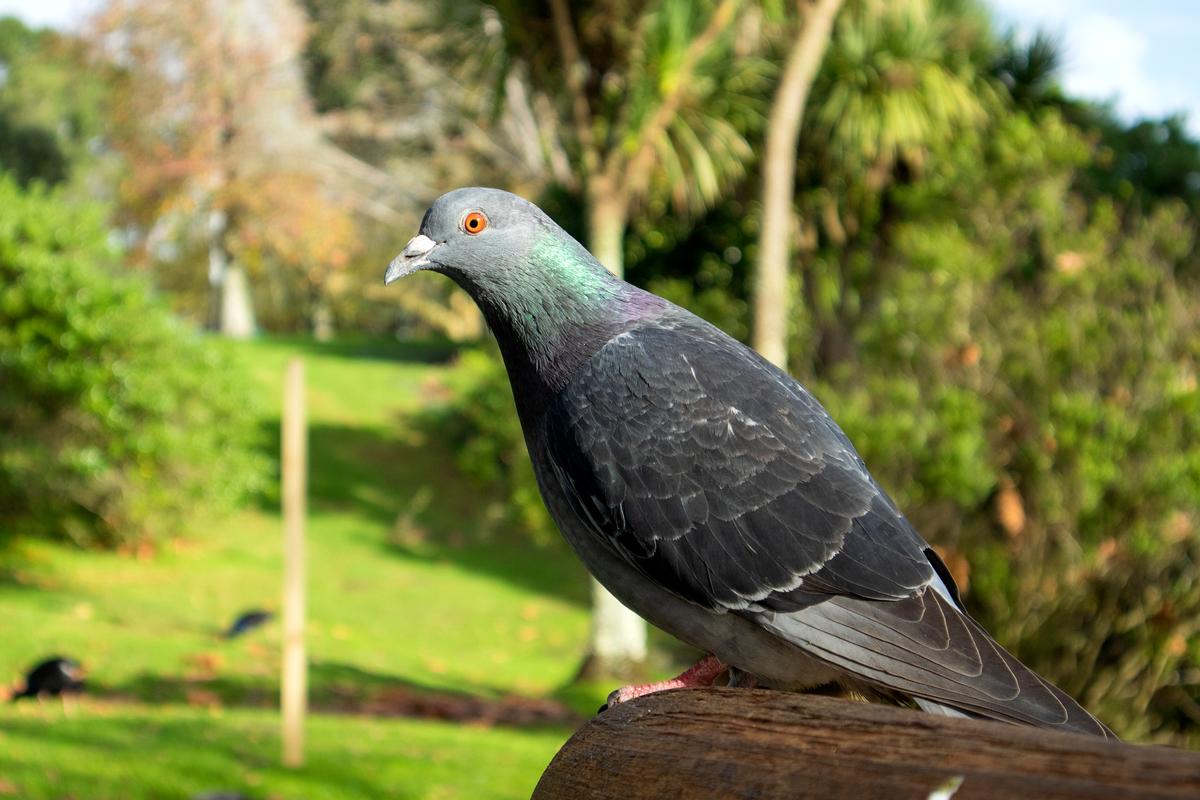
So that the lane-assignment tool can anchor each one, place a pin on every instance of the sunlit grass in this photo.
(408, 587)
(105, 751)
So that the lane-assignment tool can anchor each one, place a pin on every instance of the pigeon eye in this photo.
(475, 222)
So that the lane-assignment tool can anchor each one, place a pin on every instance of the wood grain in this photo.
(763, 745)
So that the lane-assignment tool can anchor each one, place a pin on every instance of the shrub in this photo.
(480, 424)
(1023, 379)
(117, 423)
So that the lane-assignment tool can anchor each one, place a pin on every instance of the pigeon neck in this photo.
(553, 312)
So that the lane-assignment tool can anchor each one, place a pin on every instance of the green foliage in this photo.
(479, 423)
(898, 77)
(118, 424)
(1030, 397)
(1148, 161)
(50, 104)
(703, 266)
(30, 153)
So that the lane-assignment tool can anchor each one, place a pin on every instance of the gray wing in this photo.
(720, 478)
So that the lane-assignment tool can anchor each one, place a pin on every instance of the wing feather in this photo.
(720, 478)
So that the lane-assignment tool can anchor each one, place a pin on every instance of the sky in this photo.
(1142, 55)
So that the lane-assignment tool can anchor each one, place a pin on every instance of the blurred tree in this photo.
(1147, 162)
(1030, 71)
(117, 424)
(51, 105)
(219, 140)
(428, 114)
(771, 295)
(899, 78)
(1138, 164)
(30, 153)
(1032, 402)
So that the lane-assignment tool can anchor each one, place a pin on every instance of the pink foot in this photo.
(702, 673)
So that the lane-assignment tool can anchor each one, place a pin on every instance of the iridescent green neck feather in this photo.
(554, 308)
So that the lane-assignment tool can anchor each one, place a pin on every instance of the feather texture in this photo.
(720, 478)
(708, 490)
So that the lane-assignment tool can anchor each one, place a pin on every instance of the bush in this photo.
(117, 424)
(1022, 378)
(479, 422)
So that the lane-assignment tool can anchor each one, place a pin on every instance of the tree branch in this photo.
(637, 168)
(576, 71)
(771, 307)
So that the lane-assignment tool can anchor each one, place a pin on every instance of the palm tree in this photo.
(1030, 71)
(641, 106)
(212, 104)
(898, 75)
(779, 173)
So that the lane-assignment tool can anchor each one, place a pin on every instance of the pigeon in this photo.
(709, 491)
(52, 677)
(248, 621)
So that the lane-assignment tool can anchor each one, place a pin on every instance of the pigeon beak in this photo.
(415, 256)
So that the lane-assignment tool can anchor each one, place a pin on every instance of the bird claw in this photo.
(703, 673)
(742, 679)
(614, 697)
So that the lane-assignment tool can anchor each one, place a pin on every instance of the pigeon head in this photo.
(547, 300)
(480, 236)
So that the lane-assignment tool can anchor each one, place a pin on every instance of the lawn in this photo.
(417, 605)
(121, 751)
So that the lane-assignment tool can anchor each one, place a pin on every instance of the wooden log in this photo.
(764, 745)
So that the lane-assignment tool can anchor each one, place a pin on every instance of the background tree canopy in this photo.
(120, 424)
(996, 297)
(993, 286)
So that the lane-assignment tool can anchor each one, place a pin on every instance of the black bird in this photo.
(53, 677)
(248, 621)
(708, 490)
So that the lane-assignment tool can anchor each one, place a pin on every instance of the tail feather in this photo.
(930, 707)
(926, 648)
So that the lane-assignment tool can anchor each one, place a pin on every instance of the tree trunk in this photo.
(237, 308)
(231, 309)
(322, 317)
(617, 644)
(771, 296)
(218, 263)
(607, 218)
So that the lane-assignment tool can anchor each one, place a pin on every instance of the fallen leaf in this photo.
(1010, 509)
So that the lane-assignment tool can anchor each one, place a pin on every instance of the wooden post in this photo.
(701, 743)
(294, 684)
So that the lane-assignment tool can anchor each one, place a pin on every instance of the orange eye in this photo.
(475, 222)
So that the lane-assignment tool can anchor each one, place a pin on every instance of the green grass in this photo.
(134, 751)
(410, 589)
